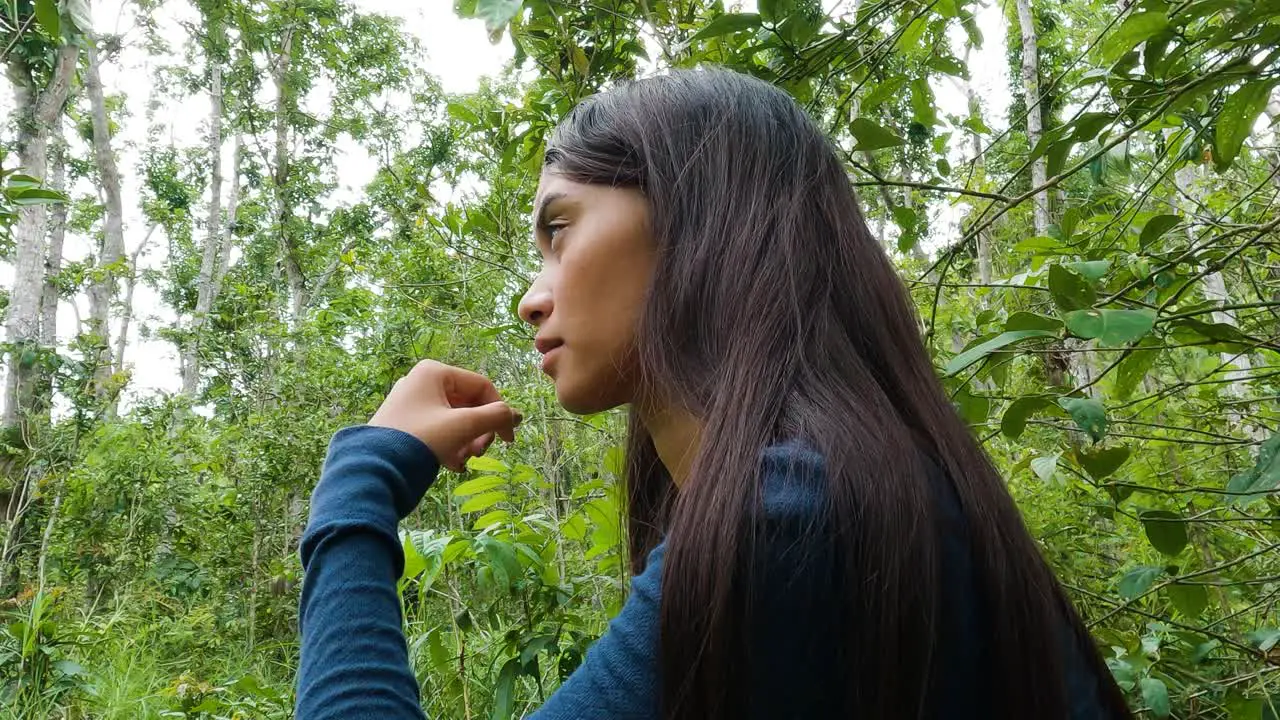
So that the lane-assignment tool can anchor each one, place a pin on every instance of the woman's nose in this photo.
(535, 306)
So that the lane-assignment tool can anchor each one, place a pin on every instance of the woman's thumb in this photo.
(495, 417)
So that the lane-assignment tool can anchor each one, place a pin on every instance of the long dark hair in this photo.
(774, 314)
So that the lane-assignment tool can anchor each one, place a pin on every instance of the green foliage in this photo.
(1119, 365)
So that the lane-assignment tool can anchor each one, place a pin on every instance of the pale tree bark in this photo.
(103, 289)
(126, 315)
(228, 230)
(288, 248)
(212, 250)
(49, 293)
(1035, 116)
(36, 110)
(1190, 180)
(980, 172)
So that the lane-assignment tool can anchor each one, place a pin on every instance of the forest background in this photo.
(229, 226)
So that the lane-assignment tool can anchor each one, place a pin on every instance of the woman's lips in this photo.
(549, 357)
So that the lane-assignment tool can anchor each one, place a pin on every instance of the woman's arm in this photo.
(355, 663)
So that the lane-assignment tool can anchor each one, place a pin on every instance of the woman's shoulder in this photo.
(793, 480)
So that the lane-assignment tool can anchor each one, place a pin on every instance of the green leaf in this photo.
(1111, 327)
(1023, 320)
(1089, 414)
(504, 691)
(976, 353)
(491, 518)
(1091, 270)
(78, 11)
(872, 136)
(1133, 368)
(1165, 530)
(1156, 696)
(1138, 581)
(483, 463)
(1069, 290)
(1104, 462)
(1156, 227)
(414, 562)
(1236, 120)
(1262, 478)
(775, 10)
(1134, 30)
(481, 484)
(483, 501)
(47, 14)
(1045, 466)
(726, 24)
(497, 13)
(1190, 600)
(1265, 639)
(1014, 420)
(37, 196)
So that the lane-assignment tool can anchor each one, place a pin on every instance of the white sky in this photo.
(458, 52)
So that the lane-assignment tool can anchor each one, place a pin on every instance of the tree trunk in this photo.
(36, 110)
(103, 289)
(979, 173)
(1035, 117)
(212, 250)
(228, 230)
(49, 293)
(1190, 180)
(288, 249)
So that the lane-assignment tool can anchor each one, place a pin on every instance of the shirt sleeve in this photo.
(354, 660)
(618, 678)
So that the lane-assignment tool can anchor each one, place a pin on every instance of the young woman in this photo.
(814, 531)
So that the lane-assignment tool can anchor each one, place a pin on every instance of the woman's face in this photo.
(597, 260)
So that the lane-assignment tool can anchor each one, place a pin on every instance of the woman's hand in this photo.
(455, 412)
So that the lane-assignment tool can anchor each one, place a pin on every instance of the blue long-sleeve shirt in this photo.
(354, 660)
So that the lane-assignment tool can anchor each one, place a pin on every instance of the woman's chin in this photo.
(583, 398)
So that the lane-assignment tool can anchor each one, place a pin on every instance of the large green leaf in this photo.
(1156, 695)
(1111, 327)
(726, 24)
(872, 136)
(1166, 530)
(976, 353)
(497, 13)
(1262, 478)
(1134, 30)
(1014, 420)
(47, 14)
(1138, 580)
(478, 485)
(1156, 227)
(483, 501)
(1102, 463)
(1023, 320)
(1089, 414)
(1190, 600)
(1069, 290)
(1236, 120)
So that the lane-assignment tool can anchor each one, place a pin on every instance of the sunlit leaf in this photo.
(1236, 120)
(873, 136)
(1111, 327)
(1138, 581)
(974, 354)
(1089, 414)
(1134, 30)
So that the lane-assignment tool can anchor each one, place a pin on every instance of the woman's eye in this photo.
(553, 232)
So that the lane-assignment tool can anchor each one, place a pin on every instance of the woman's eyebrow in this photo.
(540, 215)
